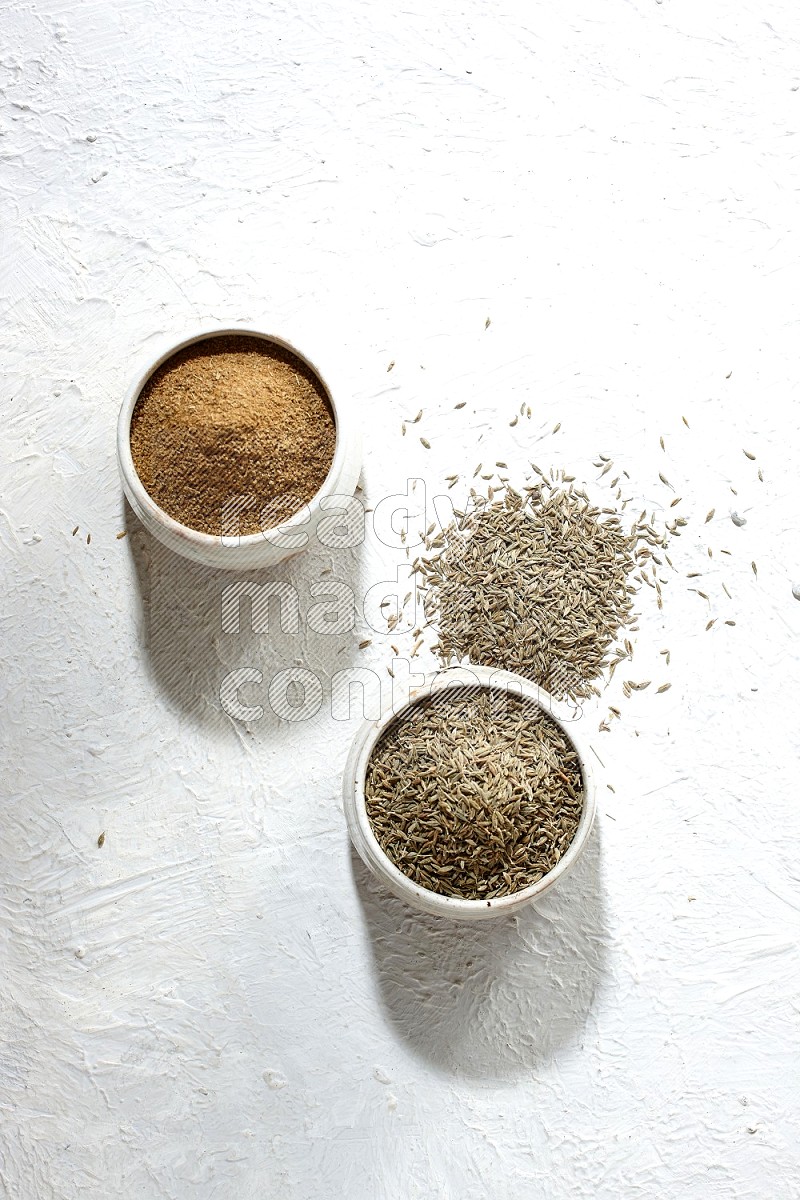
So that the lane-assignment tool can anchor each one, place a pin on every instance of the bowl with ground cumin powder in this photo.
(232, 449)
(473, 798)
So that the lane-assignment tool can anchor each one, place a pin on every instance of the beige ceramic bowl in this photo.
(252, 550)
(367, 845)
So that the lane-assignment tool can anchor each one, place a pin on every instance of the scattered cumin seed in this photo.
(363, 645)
(755, 569)
(123, 533)
(101, 840)
(390, 367)
(556, 427)
(417, 418)
(730, 622)
(403, 429)
(487, 322)
(761, 475)
(460, 404)
(686, 423)
(713, 621)
(513, 423)
(75, 530)
(664, 688)
(709, 515)
(425, 443)
(88, 539)
(661, 440)
(747, 454)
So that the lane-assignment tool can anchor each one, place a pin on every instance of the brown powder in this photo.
(232, 431)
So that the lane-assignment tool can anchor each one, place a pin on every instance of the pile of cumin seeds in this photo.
(537, 582)
(474, 793)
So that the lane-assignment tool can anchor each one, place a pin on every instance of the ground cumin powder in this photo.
(232, 434)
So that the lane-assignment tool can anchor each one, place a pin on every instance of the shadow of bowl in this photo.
(193, 636)
(494, 1001)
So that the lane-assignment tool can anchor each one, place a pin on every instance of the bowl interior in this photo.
(477, 678)
(141, 499)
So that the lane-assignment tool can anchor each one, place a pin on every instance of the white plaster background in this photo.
(218, 1002)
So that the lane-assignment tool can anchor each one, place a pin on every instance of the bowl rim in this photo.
(170, 346)
(360, 826)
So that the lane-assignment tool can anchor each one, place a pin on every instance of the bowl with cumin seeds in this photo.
(232, 449)
(473, 798)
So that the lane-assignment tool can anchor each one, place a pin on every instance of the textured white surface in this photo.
(217, 1002)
